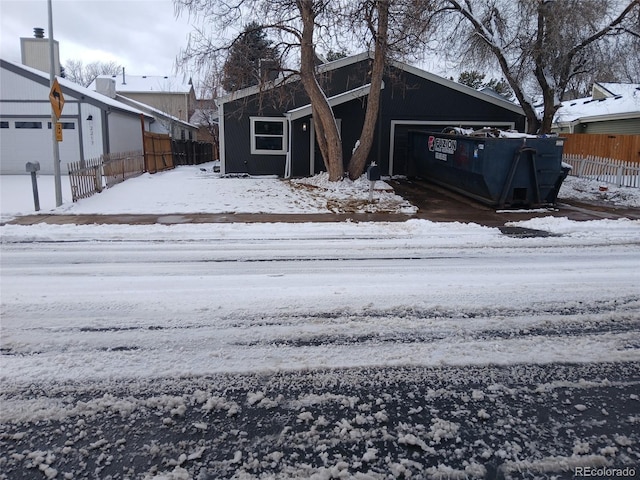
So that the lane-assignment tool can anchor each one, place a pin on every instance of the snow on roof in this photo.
(153, 111)
(622, 105)
(624, 89)
(79, 89)
(148, 83)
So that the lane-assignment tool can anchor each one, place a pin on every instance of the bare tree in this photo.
(83, 75)
(376, 15)
(546, 42)
(302, 28)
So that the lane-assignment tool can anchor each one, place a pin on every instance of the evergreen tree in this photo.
(471, 79)
(252, 59)
(475, 79)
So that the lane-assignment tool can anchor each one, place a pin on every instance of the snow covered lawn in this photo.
(189, 189)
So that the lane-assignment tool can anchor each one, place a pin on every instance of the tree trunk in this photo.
(326, 128)
(359, 158)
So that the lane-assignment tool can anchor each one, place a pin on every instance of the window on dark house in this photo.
(268, 136)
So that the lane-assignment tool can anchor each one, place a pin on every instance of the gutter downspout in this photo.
(221, 135)
(287, 164)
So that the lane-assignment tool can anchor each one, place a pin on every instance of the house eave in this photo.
(305, 110)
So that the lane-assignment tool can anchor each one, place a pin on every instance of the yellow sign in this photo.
(56, 98)
(58, 132)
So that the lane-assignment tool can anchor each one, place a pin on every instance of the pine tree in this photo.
(252, 59)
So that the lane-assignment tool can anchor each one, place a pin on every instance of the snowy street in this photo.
(380, 350)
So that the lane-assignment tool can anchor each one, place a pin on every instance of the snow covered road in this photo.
(95, 309)
(120, 310)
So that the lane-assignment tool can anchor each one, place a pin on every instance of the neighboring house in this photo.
(162, 122)
(205, 118)
(93, 124)
(613, 108)
(268, 129)
(166, 93)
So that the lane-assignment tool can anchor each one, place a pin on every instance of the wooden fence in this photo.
(87, 176)
(618, 147)
(160, 153)
(618, 172)
(120, 166)
(157, 152)
(189, 152)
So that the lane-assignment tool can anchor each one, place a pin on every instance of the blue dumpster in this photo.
(508, 172)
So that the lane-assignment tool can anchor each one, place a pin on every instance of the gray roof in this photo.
(70, 88)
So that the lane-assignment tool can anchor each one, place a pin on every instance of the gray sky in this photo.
(142, 35)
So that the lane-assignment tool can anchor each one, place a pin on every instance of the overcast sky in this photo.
(142, 35)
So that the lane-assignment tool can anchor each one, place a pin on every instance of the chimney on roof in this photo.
(34, 52)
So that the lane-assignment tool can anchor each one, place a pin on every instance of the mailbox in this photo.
(373, 173)
(32, 166)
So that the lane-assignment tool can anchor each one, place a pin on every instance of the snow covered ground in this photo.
(189, 189)
(307, 350)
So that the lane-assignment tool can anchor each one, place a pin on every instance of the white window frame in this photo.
(284, 136)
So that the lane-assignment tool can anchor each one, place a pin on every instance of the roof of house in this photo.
(343, 62)
(69, 86)
(204, 117)
(153, 111)
(613, 89)
(618, 106)
(148, 84)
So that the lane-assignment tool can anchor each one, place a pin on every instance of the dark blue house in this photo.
(268, 129)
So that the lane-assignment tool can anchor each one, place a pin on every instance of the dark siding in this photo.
(405, 97)
(237, 125)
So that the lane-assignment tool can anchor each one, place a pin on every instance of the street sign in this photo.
(56, 98)
(58, 132)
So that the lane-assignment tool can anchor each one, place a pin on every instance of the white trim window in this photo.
(268, 135)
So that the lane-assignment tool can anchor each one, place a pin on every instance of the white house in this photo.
(164, 122)
(612, 108)
(93, 124)
(166, 93)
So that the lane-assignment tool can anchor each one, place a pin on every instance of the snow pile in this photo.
(588, 190)
(352, 196)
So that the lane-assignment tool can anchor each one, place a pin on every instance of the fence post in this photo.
(98, 178)
(580, 169)
(620, 175)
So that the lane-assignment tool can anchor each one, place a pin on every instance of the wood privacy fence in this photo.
(157, 152)
(87, 176)
(188, 152)
(608, 170)
(618, 147)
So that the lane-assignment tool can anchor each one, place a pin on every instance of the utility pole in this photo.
(54, 119)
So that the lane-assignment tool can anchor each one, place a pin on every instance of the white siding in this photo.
(23, 99)
(92, 131)
(125, 133)
(19, 146)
